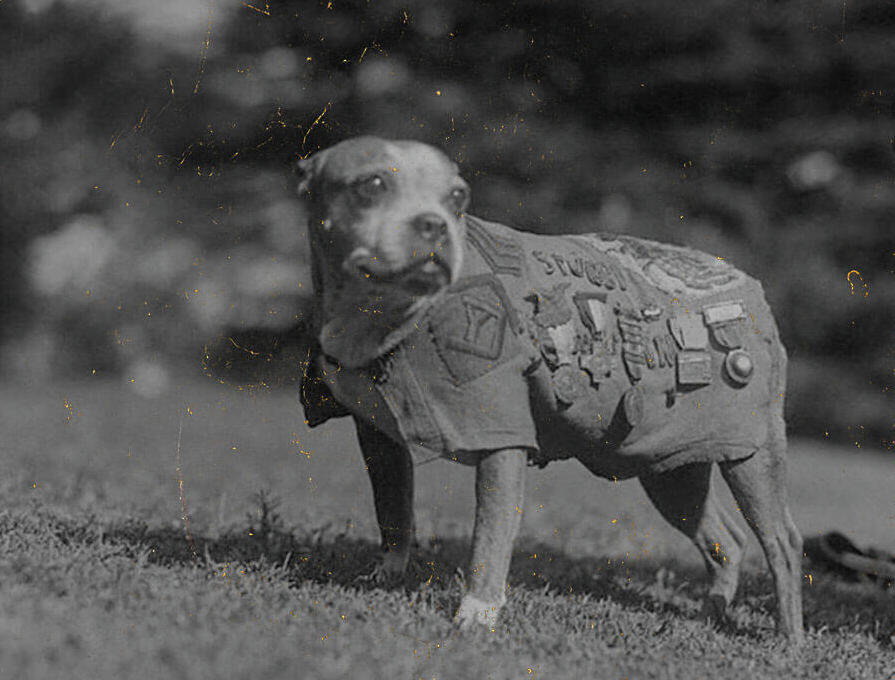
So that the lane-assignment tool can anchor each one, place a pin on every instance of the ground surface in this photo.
(98, 579)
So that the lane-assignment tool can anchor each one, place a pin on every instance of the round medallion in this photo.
(739, 366)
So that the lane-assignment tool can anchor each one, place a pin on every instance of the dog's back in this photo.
(633, 356)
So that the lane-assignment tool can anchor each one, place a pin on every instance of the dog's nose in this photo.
(431, 227)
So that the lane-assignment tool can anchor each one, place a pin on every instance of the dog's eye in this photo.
(369, 188)
(459, 197)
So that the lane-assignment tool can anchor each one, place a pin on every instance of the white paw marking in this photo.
(476, 612)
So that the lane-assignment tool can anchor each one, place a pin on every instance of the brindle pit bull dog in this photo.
(442, 334)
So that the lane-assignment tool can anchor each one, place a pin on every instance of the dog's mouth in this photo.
(423, 276)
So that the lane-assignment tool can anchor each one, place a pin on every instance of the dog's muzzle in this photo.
(423, 276)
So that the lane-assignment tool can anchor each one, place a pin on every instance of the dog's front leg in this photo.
(499, 488)
(390, 468)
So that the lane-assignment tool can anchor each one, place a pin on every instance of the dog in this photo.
(443, 334)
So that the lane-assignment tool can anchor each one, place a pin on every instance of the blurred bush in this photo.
(149, 216)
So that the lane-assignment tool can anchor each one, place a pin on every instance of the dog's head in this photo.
(388, 212)
(386, 233)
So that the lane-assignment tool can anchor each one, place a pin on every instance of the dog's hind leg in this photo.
(687, 501)
(758, 484)
(499, 488)
(390, 468)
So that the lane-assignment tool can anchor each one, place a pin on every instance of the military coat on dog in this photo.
(634, 356)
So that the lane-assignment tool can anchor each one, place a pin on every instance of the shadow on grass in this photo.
(328, 557)
(325, 556)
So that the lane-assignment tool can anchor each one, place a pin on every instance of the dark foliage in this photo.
(148, 209)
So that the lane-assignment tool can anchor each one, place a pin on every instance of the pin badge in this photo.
(593, 310)
(726, 311)
(651, 313)
(598, 366)
(633, 349)
(688, 331)
(566, 385)
(694, 367)
(632, 406)
(726, 322)
(739, 366)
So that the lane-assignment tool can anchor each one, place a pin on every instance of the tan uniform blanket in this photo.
(633, 355)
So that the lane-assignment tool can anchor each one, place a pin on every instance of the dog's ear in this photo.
(307, 169)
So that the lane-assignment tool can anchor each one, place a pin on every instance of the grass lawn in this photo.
(98, 579)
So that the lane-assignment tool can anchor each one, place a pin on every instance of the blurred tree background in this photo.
(149, 219)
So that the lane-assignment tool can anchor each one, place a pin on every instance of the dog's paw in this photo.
(387, 571)
(714, 609)
(474, 613)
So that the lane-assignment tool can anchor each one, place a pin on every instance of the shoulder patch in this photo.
(470, 328)
(503, 254)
